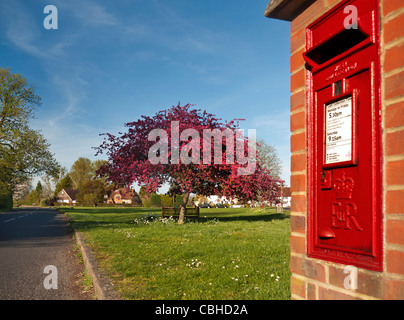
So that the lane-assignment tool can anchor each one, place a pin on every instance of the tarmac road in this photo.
(37, 260)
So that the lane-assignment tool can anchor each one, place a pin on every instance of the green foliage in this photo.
(178, 200)
(155, 200)
(23, 151)
(39, 188)
(269, 158)
(82, 171)
(6, 201)
(146, 202)
(65, 183)
(91, 193)
(166, 200)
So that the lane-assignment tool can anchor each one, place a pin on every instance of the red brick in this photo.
(298, 183)
(308, 268)
(297, 244)
(369, 283)
(394, 143)
(297, 40)
(393, 29)
(298, 287)
(390, 6)
(297, 100)
(394, 290)
(395, 261)
(394, 115)
(337, 276)
(329, 294)
(298, 162)
(298, 203)
(394, 85)
(395, 172)
(298, 142)
(311, 291)
(297, 121)
(307, 16)
(296, 60)
(298, 80)
(394, 201)
(297, 224)
(394, 232)
(394, 58)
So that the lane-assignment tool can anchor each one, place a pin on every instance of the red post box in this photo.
(344, 136)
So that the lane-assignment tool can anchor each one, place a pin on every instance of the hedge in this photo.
(6, 201)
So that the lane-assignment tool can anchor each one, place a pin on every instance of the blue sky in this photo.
(111, 61)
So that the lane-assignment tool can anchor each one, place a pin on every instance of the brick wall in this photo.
(317, 279)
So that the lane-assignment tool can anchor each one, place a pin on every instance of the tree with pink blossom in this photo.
(175, 146)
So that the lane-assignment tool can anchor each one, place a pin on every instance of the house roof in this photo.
(286, 9)
(71, 193)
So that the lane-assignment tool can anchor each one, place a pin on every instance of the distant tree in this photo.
(81, 171)
(39, 188)
(35, 196)
(65, 183)
(50, 182)
(91, 193)
(269, 158)
(24, 152)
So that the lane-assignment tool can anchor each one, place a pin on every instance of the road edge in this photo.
(102, 285)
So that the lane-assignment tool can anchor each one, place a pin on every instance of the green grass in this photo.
(229, 254)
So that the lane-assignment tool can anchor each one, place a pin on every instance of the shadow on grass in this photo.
(249, 217)
(89, 218)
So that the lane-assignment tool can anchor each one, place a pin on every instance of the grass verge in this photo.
(229, 254)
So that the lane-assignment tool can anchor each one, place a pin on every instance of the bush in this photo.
(6, 201)
(155, 200)
(178, 200)
(146, 201)
(166, 200)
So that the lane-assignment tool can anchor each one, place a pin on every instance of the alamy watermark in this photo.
(351, 21)
(351, 281)
(51, 20)
(51, 280)
(191, 152)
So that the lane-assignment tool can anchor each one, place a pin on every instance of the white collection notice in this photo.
(338, 128)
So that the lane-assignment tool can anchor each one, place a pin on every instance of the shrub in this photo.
(146, 201)
(6, 201)
(155, 200)
(166, 200)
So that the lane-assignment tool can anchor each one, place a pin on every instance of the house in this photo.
(67, 196)
(215, 200)
(124, 196)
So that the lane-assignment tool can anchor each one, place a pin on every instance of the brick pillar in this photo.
(315, 278)
(393, 144)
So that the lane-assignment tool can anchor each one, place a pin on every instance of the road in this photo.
(37, 259)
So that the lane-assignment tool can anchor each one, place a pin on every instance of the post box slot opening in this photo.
(336, 45)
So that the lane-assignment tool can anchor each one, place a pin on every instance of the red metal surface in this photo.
(344, 138)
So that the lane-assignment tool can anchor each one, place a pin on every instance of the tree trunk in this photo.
(183, 208)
